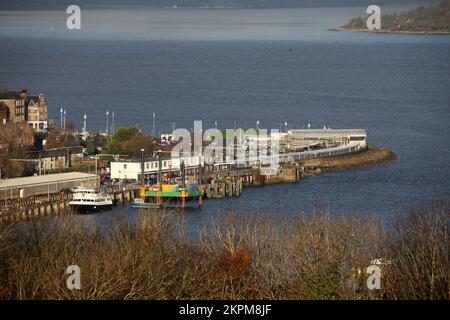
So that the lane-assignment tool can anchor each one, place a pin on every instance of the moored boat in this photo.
(90, 200)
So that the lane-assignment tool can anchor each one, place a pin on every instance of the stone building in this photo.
(16, 105)
(4, 113)
(37, 112)
(19, 107)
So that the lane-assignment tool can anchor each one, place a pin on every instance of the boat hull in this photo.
(83, 208)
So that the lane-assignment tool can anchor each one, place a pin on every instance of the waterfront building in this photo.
(46, 184)
(131, 169)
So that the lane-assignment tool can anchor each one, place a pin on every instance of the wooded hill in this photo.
(435, 19)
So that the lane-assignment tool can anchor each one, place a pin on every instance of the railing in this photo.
(349, 148)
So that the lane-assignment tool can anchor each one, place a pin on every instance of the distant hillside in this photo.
(46, 4)
(434, 19)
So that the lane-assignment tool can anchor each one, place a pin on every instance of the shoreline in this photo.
(430, 33)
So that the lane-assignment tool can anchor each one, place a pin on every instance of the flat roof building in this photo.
(46, 184)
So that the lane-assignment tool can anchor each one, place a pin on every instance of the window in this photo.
(125, 166)
(147, 165)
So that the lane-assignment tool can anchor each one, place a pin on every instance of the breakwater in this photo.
(218, 184)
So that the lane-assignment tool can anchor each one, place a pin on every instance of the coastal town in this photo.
(224, 157)
(43, 162)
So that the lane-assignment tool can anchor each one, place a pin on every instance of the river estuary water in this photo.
(239, 66)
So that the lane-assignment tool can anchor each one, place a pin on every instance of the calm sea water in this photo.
(239, 66)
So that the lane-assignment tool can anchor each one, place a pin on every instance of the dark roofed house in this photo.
(59, 158)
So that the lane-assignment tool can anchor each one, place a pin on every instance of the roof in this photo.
(9, 95)
(28, 99)
(146, 159)
(56, 152)
(327, 132)
(44, 179)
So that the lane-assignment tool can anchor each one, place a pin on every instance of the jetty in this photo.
(183, 181)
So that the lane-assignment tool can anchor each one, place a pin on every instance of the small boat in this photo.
(139, 203)
(90, 200)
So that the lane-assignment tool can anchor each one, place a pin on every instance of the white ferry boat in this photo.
(90, 200)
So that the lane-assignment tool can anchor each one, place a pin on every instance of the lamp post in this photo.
(84, 123)
(107, 121)
(61, 113)
(154, 124)
(64, 120)
(142, 168)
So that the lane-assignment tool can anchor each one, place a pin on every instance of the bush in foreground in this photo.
(236, 257)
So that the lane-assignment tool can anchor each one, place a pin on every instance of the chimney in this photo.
(23, 93)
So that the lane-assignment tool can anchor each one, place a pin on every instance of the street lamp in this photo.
(142, 167)
(154, 124)
(84, 123)
(61, 112)
(107, 121)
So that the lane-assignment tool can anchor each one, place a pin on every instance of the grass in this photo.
(236, 257)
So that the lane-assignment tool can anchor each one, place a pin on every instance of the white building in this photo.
(131, 169)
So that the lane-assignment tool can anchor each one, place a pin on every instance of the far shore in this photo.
(443, 33)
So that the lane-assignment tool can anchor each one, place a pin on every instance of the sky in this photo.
(49, 4)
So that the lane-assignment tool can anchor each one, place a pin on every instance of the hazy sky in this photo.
(47, 4)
